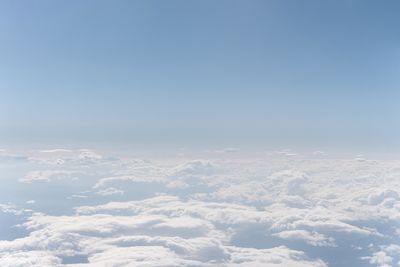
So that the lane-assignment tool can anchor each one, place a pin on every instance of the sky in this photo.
(156, 74)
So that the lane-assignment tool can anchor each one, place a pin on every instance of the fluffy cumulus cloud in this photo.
(279, 209)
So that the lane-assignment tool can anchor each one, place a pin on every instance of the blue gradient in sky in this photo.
(200, 73)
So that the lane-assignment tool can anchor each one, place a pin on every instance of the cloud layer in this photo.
(87, 209)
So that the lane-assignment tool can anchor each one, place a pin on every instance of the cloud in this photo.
(12, 209)
(48, 175)
(181, 233)
(312, 238)
(228, 150)
(278, 256)
(386, 256)
(6, 157)
(57, 150)
(29, 259)
(87, 154)
(109, 191)
(269, 211)
(194, 168)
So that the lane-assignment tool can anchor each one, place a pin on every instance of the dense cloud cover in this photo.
(79, 208)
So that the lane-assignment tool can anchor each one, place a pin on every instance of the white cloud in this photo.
(29, 259)
(227, 150)
(87, 154)
(48, 175)
(57, 150)
(109, 191)
(270, 211)
(380, 259)
(12, 209)
(312, 238)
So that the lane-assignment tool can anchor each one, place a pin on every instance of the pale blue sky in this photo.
(212, 73)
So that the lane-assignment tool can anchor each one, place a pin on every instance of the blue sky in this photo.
(260, 74)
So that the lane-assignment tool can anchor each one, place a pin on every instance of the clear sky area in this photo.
(249, 74)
